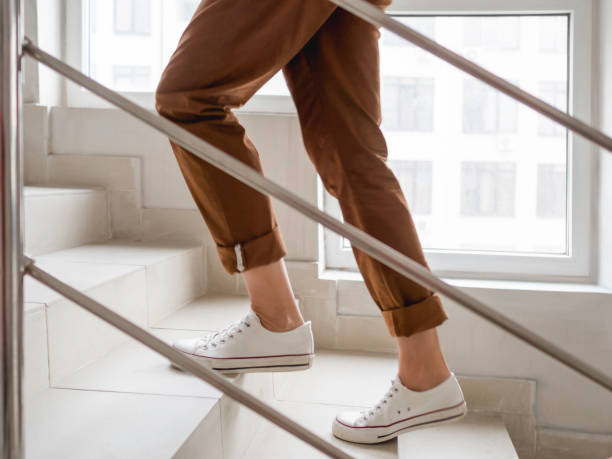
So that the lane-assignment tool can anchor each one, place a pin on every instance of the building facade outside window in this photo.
(132, 16)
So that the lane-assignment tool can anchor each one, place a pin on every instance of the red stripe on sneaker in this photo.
(239, 358)
(402, 420)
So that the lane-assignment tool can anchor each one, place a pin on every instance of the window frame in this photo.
(579, 265)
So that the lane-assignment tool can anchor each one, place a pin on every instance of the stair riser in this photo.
(77, 337)
(175, 281)
(59, 221)
(36, 365)
(229, 428)
(145, 295)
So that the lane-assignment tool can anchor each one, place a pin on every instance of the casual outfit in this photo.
(330, 61)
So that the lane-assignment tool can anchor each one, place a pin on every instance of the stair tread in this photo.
(475, 436)
(94, 424)
(338, 379)
(90, 265)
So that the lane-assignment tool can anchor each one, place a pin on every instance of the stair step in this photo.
(58, 218)
(132, 369)
(473, 437)
(222, 428)
(141, 281)
(75, 424)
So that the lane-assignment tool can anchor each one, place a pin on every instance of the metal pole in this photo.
(185, 362)
(360, 239)
(377, 17)
(11, 326)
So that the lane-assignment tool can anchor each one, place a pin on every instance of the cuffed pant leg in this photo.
(261, 250)
(229, 49)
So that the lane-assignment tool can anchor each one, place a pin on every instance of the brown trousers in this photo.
(330, 61)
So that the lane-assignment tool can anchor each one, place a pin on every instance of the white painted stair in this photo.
(59, 217)
(91, 392)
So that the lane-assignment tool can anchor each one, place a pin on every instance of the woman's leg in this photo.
(334, 81)
(229, 50)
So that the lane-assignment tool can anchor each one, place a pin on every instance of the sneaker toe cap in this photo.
(350, 418)
(187, 346)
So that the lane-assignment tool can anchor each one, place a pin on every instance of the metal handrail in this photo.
(360, 239)
(377, 17)
(202, 149)
(182, 360)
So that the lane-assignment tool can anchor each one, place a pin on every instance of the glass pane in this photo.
(498, 179)
(141, 34)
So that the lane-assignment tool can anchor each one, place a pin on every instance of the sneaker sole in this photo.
(370, 435)
(256, 365)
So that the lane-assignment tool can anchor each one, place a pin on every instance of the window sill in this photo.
(486, 284)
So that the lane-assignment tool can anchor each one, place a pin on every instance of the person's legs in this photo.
(334, 81)
(229, 50)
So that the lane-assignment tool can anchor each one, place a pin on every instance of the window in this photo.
(432, 114)
(415, 179)
(487, 189)
(132, 16)
(551, 189)
(407, 103)
(498, 33)
(552, 38)
(484, 176)
(187, 10)
(128, 78)
(426, 26)
(555, 93)
(486, 110)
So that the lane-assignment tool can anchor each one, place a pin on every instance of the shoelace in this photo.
(369, 413)
(223, 335)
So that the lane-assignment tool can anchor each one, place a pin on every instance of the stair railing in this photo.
(15, 263)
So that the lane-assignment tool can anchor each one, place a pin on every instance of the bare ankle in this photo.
(425, 380)
(279, 318)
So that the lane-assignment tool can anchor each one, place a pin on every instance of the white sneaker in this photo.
(246, 346)
(402, 410)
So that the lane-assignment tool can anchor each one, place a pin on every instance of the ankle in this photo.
(280, 320)
(423, 379)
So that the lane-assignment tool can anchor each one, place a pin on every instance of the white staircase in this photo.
(91, 392)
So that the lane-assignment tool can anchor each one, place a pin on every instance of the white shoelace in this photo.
(222, 336)
(369, 413)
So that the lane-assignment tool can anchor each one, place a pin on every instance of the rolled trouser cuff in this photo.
(417, 317)
(262, 250)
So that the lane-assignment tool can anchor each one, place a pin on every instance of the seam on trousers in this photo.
(239, 261)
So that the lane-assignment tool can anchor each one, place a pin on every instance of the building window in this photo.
(407, 104)
(551, 191)
(487, 111)
(415, 178)
(187, 9)
(425, 25)
(487, 189)
(130, 78)
(555, 93)
(499, 33)
(552, 35)
(133, 17)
